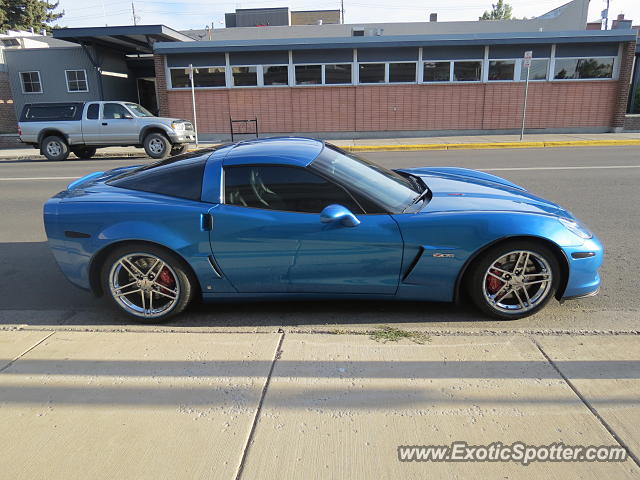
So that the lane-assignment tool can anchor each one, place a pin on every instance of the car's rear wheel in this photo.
(147, 283)
(157, 145)
(514, 279)
(84, 153)
(55, 148)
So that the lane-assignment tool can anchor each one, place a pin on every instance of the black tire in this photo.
(84, 153)
(54, 148)
(184, 283)
(157, 145)
(481, 282)
(178, 149)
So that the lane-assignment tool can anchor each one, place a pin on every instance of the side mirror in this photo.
(338, 213)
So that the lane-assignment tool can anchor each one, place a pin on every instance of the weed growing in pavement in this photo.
(385, 334)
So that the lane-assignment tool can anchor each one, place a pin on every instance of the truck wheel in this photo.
(55, 148)
(84, 153)
(157, 145)
(178, 149)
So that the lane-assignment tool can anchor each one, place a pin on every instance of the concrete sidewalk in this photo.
(274, 405)
(403, 144)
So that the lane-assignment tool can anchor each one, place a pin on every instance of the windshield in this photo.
(139, 110)
(384, 187)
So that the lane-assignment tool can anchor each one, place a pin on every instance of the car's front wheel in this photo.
(157, 145)
(514, 279)
(147, 283)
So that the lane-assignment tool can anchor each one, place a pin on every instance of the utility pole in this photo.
(341, 11)
(133, 13)
(606, 17)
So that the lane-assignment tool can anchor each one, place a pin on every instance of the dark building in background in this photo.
(257, 17)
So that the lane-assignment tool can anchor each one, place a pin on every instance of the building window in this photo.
(337, 74)
(467, 71)
(76, 81)
(275, 75)
(436, 72)
(538, 70)
(503, 70)
(31, 82)
(308, 74)
(371, 72)
(245, 76)
(581, 68)
(202, 77)
(402, 72)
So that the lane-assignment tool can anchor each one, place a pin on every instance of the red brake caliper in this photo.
(493, 284)
(166, 279)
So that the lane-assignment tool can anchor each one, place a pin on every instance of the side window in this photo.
(92, 111)
(283, 188)
(114, 111)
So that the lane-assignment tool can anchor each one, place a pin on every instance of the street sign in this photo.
(528, 55)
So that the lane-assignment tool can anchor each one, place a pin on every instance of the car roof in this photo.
(295, 151)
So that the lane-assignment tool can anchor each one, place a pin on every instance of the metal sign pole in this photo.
(193, 101)
(527, 63)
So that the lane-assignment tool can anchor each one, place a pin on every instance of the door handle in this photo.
(206, 222)
(104, 123)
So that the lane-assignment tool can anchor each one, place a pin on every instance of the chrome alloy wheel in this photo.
(54, 149)
(156, 146)
(517, 281)
(144, 285)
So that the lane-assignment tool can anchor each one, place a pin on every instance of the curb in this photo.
(473, 146)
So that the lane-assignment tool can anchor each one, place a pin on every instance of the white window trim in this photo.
(439, 82)
(516, 69)
(258, 76)
(170, 81)
(616, 60)
(321, 65)
(324, 67)
(386, 72)
(86, 80)
(39, 81)
(261, 76)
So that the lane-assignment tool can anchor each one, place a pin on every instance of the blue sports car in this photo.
(297, 218)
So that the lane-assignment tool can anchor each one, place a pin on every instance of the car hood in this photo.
(464, 190)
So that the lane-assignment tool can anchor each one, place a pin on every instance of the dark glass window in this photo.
(283, 188)
(467, 71)
(308, 74)
(336, 74)
(576, 68)
(202, 77)
(51, 112)
(245, 76)
(77, 81)
(501, 69)
(402, 72)
(436, 72)
(538, 71)
(31, 82)
(371, 72)
(179, 176)
(276, 75)
(114, 111)
(93, 111)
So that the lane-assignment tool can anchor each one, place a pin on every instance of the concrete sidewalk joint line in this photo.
(25, 352)
(595, 413)
(471, 146)
(247, 445)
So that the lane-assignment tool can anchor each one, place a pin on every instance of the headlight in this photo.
(576, 228)
(178, 125)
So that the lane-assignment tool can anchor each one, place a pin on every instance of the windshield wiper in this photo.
(421, 196)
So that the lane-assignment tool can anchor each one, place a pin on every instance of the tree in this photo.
(28, 14)
(499, 11)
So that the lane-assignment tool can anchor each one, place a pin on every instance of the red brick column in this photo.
(626, 66)
(161, 85)
(8, 122)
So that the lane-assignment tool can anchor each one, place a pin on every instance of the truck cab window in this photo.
(93, 111)
(112, 111)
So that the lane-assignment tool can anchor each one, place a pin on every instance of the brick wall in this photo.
(402, 107)
(626, 69)
(8, 122)
(632, 123)
(161, 84)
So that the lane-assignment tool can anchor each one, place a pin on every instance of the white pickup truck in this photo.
(82, 127)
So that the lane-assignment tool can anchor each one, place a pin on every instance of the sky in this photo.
(195, 14)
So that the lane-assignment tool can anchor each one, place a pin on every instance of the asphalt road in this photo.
(600, 185)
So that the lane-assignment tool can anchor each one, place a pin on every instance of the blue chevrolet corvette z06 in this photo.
(297, 218)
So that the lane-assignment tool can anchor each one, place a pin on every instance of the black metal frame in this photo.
(245, 121)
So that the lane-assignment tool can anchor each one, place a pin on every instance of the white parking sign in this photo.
(528, 55)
